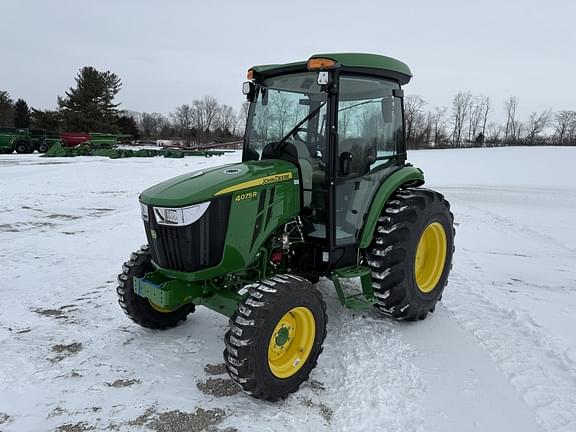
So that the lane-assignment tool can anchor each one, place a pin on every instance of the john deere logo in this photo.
(277, 178)
(153, 234)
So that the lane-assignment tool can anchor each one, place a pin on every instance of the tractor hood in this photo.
(203, 185)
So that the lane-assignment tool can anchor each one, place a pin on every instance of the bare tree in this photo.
(210, 107)
(511, 132)
(536, 124)
(486, 108)
(564, 123)
(476, 110)
(422, 129)
(460, 109)
(519, 136)
(494, 132)
(183, 119)
(154, 125)
(282, 113)
(413, 111)
(242, 117)
(227, 120)
(571, 133)
(204, 113)
(439, 122)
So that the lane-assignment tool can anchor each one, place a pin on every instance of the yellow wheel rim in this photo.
(163, 309)
(430, 257)
(291, 342)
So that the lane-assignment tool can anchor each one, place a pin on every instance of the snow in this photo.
(499, 353)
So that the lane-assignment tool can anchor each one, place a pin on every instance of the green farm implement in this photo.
(27, 140)
(106, 149)
(323, 190)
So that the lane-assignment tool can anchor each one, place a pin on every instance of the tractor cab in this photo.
(339, 119)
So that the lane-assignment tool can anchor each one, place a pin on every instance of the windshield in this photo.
(287, 109)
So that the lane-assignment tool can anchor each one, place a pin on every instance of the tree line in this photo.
(466, 124)
(203, 120)
(90, 106)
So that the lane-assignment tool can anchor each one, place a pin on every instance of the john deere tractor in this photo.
(323, 190)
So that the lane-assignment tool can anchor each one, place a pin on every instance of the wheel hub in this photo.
(430, 257)
(282, 336)
(291, 342)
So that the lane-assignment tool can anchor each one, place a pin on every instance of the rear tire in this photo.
(411, 253)
(21, 147)
(275, 337)
(139, 309)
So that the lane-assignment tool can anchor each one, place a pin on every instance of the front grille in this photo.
(193, 247)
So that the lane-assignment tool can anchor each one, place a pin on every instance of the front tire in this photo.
(139, 309)
(275, 337)
(411, 253)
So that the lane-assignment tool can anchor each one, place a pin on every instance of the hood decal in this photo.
(276, 178)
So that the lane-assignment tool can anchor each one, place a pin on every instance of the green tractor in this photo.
(323, 190)
(27, 140)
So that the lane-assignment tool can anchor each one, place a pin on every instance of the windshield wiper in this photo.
(280, 144)
(358, 104)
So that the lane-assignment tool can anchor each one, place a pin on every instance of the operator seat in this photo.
(363, 151)
(299, 154)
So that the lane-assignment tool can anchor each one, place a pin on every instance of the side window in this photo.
(369, 134)
(369, 121)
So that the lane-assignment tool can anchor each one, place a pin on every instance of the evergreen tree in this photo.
(21, 114)
(6, 110)
(127, 125)
(46, 119)
(89, 106)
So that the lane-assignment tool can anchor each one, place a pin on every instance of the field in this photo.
(499, 353)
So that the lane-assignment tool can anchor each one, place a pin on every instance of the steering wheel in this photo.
(315, 134)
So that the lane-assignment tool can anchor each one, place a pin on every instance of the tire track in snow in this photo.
(375, 384)
(507, 225)
(542, 373)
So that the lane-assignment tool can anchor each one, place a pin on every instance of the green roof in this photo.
(349, 61)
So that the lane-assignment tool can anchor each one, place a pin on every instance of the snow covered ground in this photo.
(499, 353)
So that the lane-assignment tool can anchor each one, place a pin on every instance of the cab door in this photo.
(370, 134)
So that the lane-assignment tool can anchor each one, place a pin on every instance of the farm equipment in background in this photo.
(72, 139)
(27, 140)
(107, 149)
(323, 190)
(93, 140)
(41, 140)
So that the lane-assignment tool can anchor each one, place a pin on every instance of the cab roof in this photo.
(347, 62)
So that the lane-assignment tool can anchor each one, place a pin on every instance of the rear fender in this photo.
(407, 175)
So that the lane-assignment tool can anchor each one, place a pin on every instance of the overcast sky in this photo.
(171, 52)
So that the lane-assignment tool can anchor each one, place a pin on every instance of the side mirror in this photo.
(387, 109)
(248, 89)
(345, 161)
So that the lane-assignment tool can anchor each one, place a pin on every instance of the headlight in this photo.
(180, 216)
(144, 211)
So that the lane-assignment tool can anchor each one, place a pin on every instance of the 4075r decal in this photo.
(245, 196)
